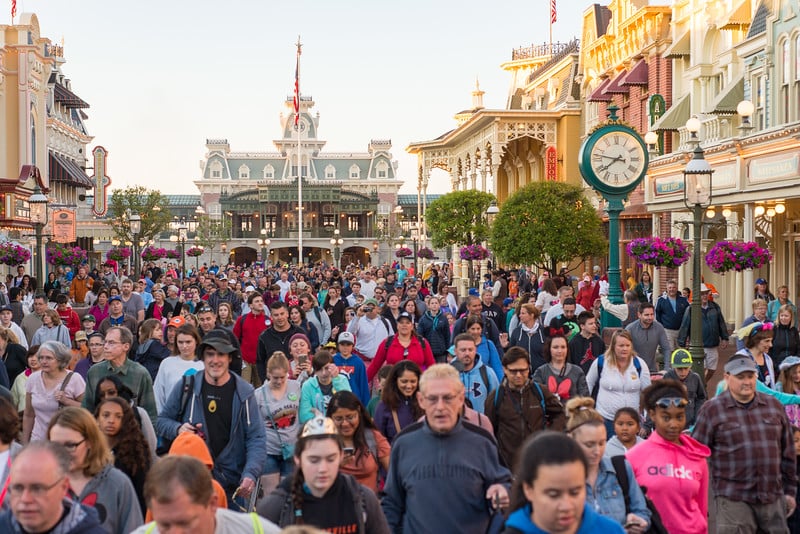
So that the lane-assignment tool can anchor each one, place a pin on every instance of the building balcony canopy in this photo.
(61, 169)
(679, 47)
(638, 75)
(599, 95)
(726, 101)
(675, 117)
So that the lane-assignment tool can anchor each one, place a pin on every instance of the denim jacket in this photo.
(607, 498)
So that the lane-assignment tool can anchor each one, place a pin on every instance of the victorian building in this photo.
(45, 138)
(725, 53)
(345, 196)
(622, 64)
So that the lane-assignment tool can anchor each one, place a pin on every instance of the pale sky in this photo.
(161, 77)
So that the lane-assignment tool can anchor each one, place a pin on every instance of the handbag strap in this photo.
(66, 381)
(269, 413)
(396, 421)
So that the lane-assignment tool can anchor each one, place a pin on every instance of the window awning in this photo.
(739, 18)
(615, 88)
(638, 75)
(62, 169)
(675, 117)
(679, 47)
(598, 95)
(729, 97)
(68, 98)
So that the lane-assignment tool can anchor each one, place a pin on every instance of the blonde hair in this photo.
(610, 355)
(580, 411)
(438, 372)
(758, 303)
(53, 316)
(786, 308)
(278, 360)
(8, 335)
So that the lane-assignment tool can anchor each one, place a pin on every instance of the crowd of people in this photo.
(250, 398)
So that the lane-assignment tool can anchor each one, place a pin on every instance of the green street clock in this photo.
(613, 159)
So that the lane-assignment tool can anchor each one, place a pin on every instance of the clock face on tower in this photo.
(301, 125)
(613, 159)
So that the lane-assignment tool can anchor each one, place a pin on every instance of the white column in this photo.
(745, 290)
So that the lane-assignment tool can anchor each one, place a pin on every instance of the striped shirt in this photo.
(752, 451)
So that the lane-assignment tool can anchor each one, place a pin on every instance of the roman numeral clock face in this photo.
(617, 159)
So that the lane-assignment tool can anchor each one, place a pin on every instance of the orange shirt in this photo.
(363, 465)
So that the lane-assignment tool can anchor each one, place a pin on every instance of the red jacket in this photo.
(71, 320)
(247, 329)
(422, 356)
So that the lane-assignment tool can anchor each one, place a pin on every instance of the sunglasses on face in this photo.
(677, 402)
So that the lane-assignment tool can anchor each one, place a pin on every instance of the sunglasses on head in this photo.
(677, 402)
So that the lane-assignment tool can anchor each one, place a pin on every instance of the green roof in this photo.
(410, 200)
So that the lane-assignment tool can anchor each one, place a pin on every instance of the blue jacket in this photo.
(311, 397)
(491, 357)
(356, 374)
(476, 389)
(714, 326)
(607, 496)
(436, 330)
(245, 453)
(671, 320)
(591, 523)
(78, 519)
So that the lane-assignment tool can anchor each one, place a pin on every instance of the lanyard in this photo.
(8, 480)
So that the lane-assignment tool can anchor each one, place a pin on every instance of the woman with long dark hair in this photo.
(366, 451)
(563, 379)
(399, 406)
(549, 491)
(318, 494)
(128, 445)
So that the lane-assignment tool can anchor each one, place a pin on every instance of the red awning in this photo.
(638, 75)
(615, 88)
(598, 95)
(61, 169)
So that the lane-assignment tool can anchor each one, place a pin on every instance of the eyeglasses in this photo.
(72, 445)
(522, 371)
(36, 490)
(112, 342)
(434, 399)
(339, 419)
(666, 402)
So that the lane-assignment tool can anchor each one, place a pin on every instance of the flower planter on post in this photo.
(403, 252)
(13, 255)
(737, 256)
(118, 254)
(670, 252)
(472, 253)
(153, 254)
(58, 254)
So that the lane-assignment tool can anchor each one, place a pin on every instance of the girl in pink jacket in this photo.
(671, 464)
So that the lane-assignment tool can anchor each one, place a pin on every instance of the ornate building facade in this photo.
(343, 194)
(723, 53)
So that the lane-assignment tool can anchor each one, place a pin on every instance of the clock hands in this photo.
(614, 160)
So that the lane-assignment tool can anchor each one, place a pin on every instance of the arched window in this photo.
(244, 172)
(330, 172)
(355, 172)
(216, 169)
(382, 169)
(269, 172)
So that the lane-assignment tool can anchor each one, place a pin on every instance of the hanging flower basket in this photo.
(58, 254)
(153, 254)
(172, 254)
(195, 251)
(11, 254)
(425, 253)
(119, 253)
(474, 252)
(737, 256)
(669, 252)
(403, 252)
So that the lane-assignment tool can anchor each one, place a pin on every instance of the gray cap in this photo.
(740, 364)
(218, 342)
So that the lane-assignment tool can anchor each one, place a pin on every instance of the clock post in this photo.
(613, 160)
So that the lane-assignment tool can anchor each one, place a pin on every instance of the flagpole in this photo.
(552, 20)
(299, 162)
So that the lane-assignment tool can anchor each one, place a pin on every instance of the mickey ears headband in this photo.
(753, 328)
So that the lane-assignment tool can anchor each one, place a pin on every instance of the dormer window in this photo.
(382, 169)
(355, 172)
(244, 172)
(269, 172)
(330, 172)
(216, 169)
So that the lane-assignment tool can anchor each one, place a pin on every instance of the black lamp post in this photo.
(136, 229)
(336, 243)
(697, 197)
(264, 242)
(415, 241)
(38, 214)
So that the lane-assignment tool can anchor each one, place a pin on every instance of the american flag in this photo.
(13, 8)
(297, 87)
(552, 11)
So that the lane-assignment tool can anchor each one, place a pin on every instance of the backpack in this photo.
(421, 340)
(498, 399)
(600, 362)
(187, 385)
(656, 524)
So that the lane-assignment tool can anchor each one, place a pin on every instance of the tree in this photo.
(459, 218)
(210, 232)
(138, 199)
(547, 223)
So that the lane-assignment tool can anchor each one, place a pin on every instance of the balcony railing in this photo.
(713, 130)
(310, 233)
